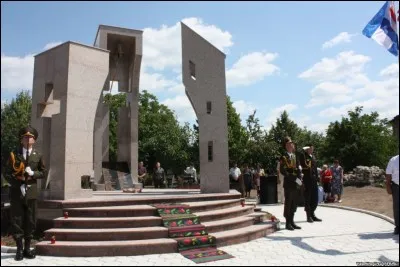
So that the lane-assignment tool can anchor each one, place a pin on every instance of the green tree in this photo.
(284, 126)
(360, 139)
(305, 136)
(237, 135)
(14, 116)
(260, 149)
(114, 103)
(161, 138)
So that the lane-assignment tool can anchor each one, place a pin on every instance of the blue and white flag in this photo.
(383, 29)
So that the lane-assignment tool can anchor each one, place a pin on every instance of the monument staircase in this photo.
(121, 224)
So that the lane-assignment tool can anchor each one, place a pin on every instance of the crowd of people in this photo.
(246, 179)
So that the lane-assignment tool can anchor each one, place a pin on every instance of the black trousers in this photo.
(159, 183)
(310, 197)
(23, 218)
(290, 207)
(395, 195)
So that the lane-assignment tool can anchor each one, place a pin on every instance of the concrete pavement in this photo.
(343, 238)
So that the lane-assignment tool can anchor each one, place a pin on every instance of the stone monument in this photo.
(69, 113)
(203, 75)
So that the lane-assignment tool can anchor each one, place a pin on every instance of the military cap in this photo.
(29, 131)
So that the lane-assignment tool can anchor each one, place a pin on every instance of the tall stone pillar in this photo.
(203, 74)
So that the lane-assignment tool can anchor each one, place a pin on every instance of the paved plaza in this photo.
(343, 238)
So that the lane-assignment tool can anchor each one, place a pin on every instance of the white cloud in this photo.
(162, 52)
(276, 112)
(380, 96)
(343, 37)
(385, 107)
(182, 107)
(303, 120)
(17, 72)
(162, 47)
(51, 45)
(342, 80)
(244, 109)
(346, 65)
(155, 82)
(391, 70)
(318, 127)
(329, 92)
(251, 68)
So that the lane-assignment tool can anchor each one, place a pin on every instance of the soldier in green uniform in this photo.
(289, 168)
(310, 179)
(25, 166)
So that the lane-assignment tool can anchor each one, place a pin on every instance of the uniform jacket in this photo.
(289, 168)
(309, 168)
(37, 166)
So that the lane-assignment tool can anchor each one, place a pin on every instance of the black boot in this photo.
(309, 218)
(315, 219)
(289, 225)
(294, 225)
(28, 253)
(19, 256)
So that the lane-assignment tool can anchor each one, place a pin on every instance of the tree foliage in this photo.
(360, 139)
(237, 135)
(161, 138)
(14, 116)
(114, 103)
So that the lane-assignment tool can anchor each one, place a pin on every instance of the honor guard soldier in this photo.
(310, 181)
(289, 168)
(25, 166)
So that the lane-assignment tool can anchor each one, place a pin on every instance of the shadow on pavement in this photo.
(385, 235)
(298, 242)
(385, 259)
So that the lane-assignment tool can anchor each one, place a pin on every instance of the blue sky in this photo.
(308, 58)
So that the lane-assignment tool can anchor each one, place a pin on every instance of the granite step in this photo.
(146, 210)
(245, 234)
(233, 223)
(107, 248)
(215, 215)
(112, 211)
(107, 222)
(125, 199)
(212, 205)
(145, 246)
(106, 234)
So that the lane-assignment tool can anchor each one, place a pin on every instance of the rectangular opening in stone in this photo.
(210, 150)
(48, 89)
(192, 70)
(208, 107)
(40, 109)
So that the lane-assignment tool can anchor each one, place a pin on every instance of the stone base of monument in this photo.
(119, 224)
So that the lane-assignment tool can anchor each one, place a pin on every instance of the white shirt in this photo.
(393, 169)
(191, 170)
(24, 152)
(235, 172)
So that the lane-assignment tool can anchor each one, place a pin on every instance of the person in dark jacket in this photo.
(310, 180)
(290, 169)
(24, 168)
